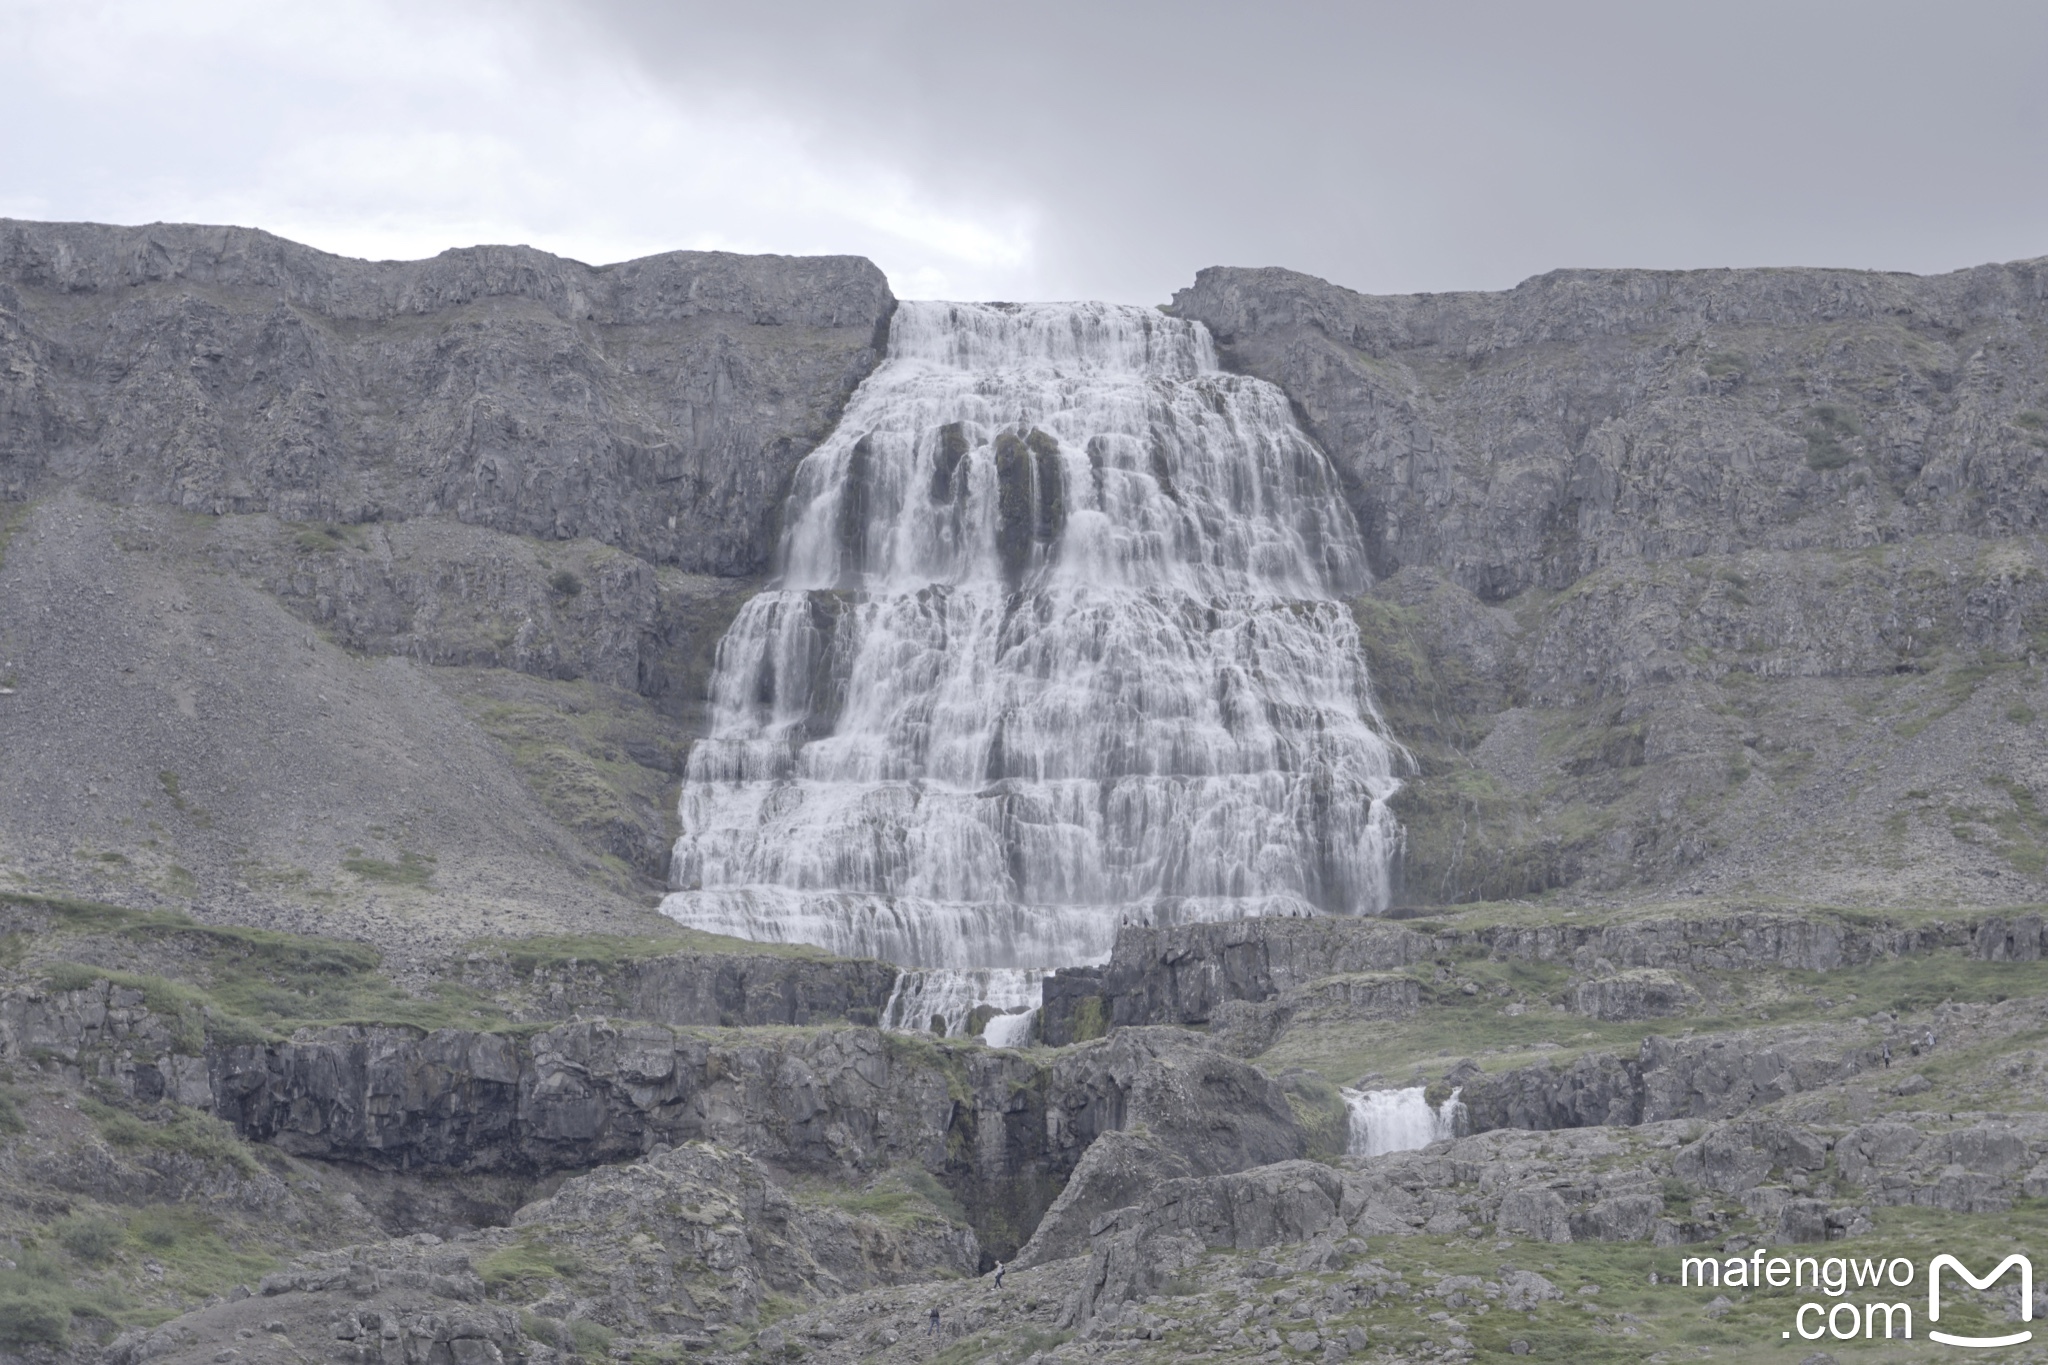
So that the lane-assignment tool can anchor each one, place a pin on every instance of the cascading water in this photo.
(1059, 641)
(1384, 1121)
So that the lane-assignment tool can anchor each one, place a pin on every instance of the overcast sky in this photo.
(1054, 150)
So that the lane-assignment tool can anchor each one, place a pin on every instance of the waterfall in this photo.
(952, 994)
(1060, 639)
(1385, 1121)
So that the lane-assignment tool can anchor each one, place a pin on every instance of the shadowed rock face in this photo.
(1525, 438)
(659, 405)
(1003, 1130)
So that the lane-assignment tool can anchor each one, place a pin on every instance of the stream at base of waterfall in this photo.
(1060, 639)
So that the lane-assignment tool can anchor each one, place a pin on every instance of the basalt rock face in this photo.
(1643, 535)
(658, 406)
(1182, 975)
(1002, 1131)
(839, 1101)
(1152, 1105)
(1523, 439)
(1203, 974)
(725, 989)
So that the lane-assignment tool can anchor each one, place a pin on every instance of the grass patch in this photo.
(168, 780)
(411, 869)
(40, 1300)
(186, 1131)
(903, 1198)
(1006, 1348)
(12, 516)
(320, 537)
(1452, 1026)
(1608, 1310)
(91, 1240)
(1831, 427)
(252, 984)
(554, 952)
(527, 1268)
(1321, 1112)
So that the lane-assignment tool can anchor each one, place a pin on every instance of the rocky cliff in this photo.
(375, 602)
(658, 406)
(227, 460)
(1729, 580)
(1589, 418)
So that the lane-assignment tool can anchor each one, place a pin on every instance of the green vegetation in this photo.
(2018, 833)
(39, 1299)
(1831, 426)
(553, 952)
(184, 1130)
(1608, 1311)
(320, 537)
(92, 1240)
(12, 517)
(245, 984)
(168, 780)
(411, 869)
(1958, 684)
(1725, 365)
(1453, 1025)
(902, 1198)
(1091, 1020)
(1321, 1112)
(526, 1269)
(1000, 1348)
(577, 1337)
(599, 760)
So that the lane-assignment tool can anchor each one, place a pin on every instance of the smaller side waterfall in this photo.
(1384, 1121)
(953, 994)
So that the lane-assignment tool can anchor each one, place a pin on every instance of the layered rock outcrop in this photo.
(1199, 975)
(1525, 438)
(658, 406)
(1007, 1133)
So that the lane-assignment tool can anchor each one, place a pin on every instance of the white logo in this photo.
(2026, 1298)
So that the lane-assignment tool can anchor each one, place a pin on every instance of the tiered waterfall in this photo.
(1060, 640)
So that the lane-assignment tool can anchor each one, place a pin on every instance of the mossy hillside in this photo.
(603, 762)
(173, 1128)
(239, 984)
(903, 1198)
(89, 1264)
(1320, 1110)
(1681, 708)
(529, 1268)
(554, 952)
(1608, 1310)
(1001, 1348)
(1508, 1012)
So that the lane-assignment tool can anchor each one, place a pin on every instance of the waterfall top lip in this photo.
(1084, 337)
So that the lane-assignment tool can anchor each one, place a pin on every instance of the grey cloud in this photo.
(1400, 147)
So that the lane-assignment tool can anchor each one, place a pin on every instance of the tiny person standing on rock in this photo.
(1887, 1056)
(999, 1275)
(935, 1320)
